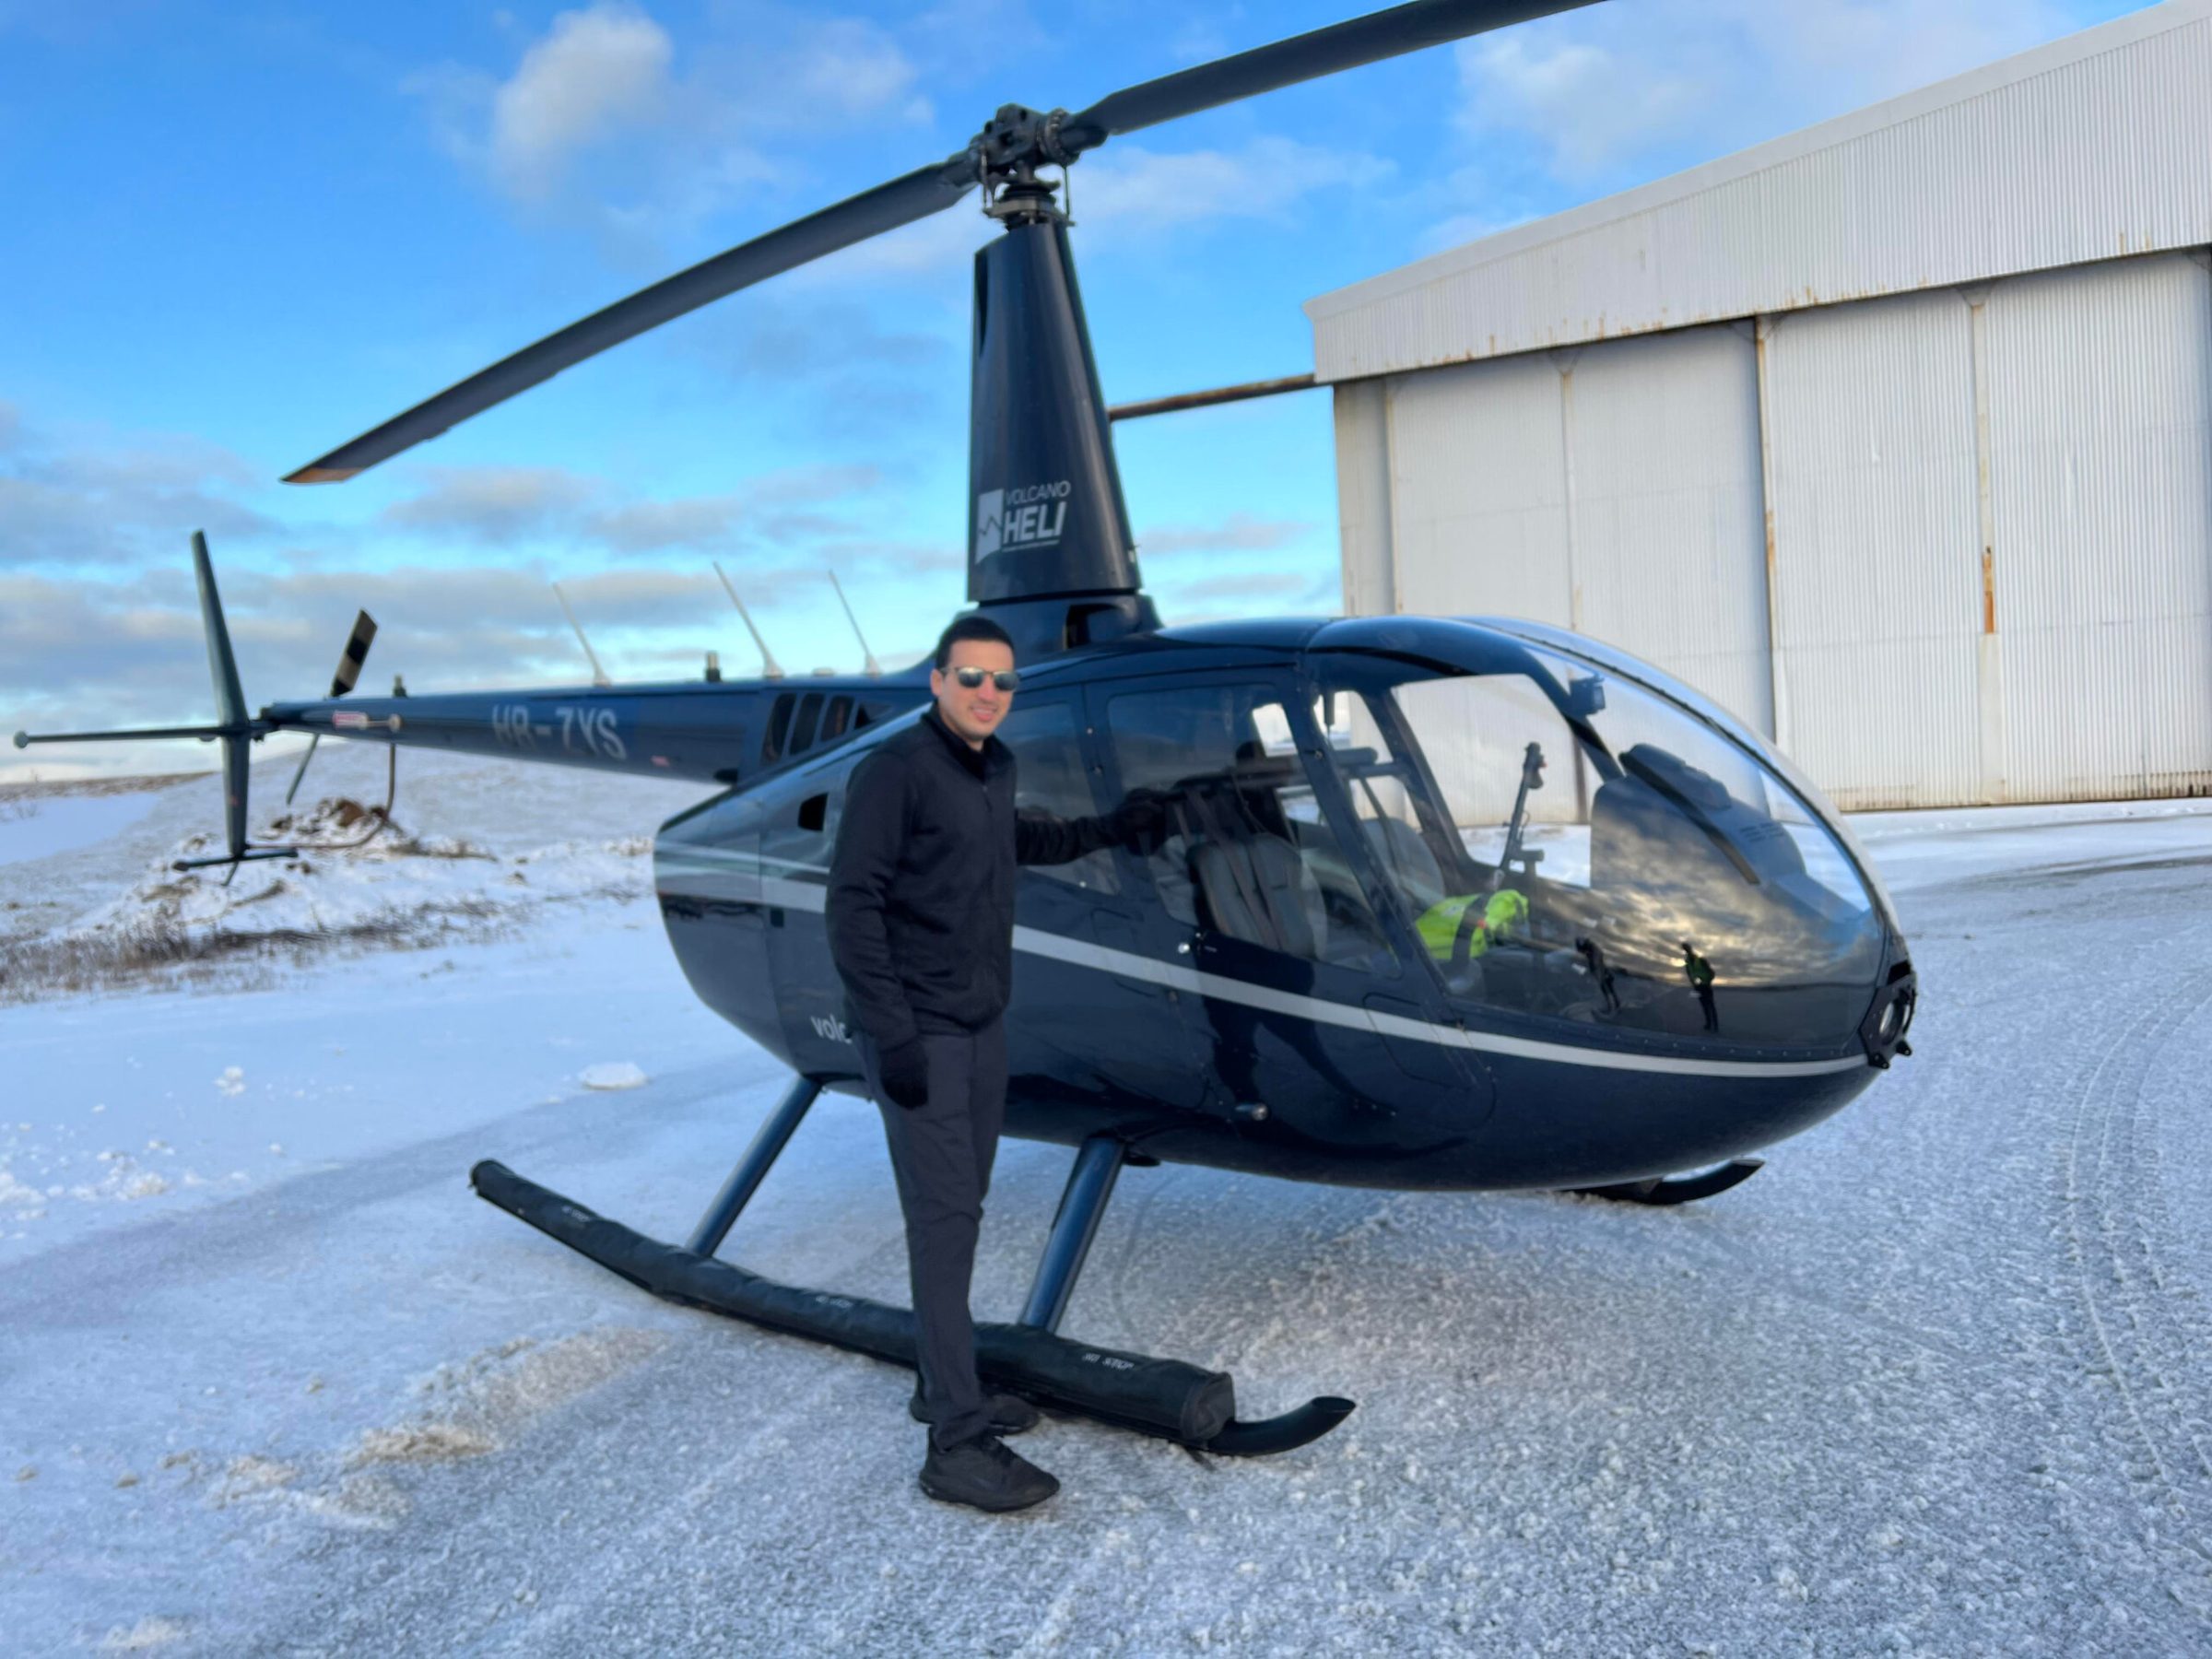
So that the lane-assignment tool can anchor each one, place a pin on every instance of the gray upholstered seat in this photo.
(1406, 858)
(1258, 889)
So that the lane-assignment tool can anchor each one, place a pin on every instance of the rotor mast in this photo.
(1047, 519)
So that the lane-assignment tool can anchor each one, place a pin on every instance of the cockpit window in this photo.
(1568, 844)
(1249, 853)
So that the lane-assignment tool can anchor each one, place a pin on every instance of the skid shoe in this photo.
(1677, 1189)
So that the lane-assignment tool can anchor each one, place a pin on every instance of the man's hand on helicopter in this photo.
(1140, 822)
(905, 1071)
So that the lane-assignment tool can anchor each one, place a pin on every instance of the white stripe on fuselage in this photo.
(740, 872)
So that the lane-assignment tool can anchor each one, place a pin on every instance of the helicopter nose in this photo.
(1890, 1017)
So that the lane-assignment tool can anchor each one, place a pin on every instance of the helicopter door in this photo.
(1073, 1016)
(1252, 887)
(798, 829)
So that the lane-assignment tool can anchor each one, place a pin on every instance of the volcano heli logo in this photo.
(1006, 521)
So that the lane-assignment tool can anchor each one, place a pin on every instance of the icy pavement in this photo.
(1935, 1382)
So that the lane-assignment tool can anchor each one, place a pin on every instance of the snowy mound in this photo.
(614, 1074)
(360, 879)
(392, 884)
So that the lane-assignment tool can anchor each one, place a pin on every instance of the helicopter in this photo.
(1459, 903)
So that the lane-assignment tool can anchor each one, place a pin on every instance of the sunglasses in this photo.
(1005, 679)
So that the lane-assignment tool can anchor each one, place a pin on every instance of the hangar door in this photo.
(2100, 380)
(1877, 573)
(1993, 539)
(1613, 488)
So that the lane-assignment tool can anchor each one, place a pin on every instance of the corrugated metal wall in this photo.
(1614, 488)
(1363, 495)
(1985, 516)
(1870, 437)
(1479, 491)
(2100, 438)
(1670, 539)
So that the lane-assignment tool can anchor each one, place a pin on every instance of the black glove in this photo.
(1139, 821)
(904, 1069)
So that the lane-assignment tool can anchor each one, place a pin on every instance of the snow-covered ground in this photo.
(273, 1381)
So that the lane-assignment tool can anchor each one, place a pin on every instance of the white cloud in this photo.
(700, 523)
(647, 134)
(1592, 104)
(852, 67)
(491, 504)
(597, 72)
(548, 508)
(1127, 185)
(1621, 87)
(95, 497)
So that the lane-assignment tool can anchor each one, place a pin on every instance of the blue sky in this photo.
(238, 234)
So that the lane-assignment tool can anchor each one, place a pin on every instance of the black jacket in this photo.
(921, 907)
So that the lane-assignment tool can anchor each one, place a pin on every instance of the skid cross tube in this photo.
(745, 1180)
(1089, 1185)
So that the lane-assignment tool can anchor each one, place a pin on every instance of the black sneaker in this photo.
(985, 1474)
(1009, 1413)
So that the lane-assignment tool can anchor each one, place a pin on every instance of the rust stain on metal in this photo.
(1988, 591)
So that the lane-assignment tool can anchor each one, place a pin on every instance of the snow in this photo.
(35, 827)
(611, 1075)
(1935, 1381)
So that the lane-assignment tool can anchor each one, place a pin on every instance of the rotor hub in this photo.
(1007, 154)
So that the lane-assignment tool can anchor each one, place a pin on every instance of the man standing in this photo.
(921, 914)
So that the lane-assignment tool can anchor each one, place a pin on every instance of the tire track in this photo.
(2140, 1330)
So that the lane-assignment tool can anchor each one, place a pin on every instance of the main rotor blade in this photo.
(918, 195)
(1367, 39)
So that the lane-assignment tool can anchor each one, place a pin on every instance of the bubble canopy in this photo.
(1572, 842)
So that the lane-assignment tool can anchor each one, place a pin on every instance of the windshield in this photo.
(1569, 844)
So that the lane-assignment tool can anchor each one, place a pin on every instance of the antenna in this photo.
(599, 674)
(875, 668)
(769, 669)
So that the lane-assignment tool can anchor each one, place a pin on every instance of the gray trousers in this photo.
(941, 1156)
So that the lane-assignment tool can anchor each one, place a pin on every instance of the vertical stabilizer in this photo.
(230, 699)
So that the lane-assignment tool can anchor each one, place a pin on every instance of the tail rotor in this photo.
(349, 671)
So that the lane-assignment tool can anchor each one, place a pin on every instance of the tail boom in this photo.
(709, 733)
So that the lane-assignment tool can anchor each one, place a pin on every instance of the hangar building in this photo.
(1894, 435)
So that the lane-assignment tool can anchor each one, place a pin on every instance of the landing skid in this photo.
(1194, 1408)
(1677, 1189)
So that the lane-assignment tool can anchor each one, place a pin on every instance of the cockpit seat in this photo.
(1406, 858)
(1258, 889)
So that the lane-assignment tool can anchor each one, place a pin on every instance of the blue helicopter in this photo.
(1461, 903)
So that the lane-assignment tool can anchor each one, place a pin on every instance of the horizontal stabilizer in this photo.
(205, 733)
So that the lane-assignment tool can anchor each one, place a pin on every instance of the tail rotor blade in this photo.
(356, 653)
(916, 196)
(1369, 40)
(347, 676)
